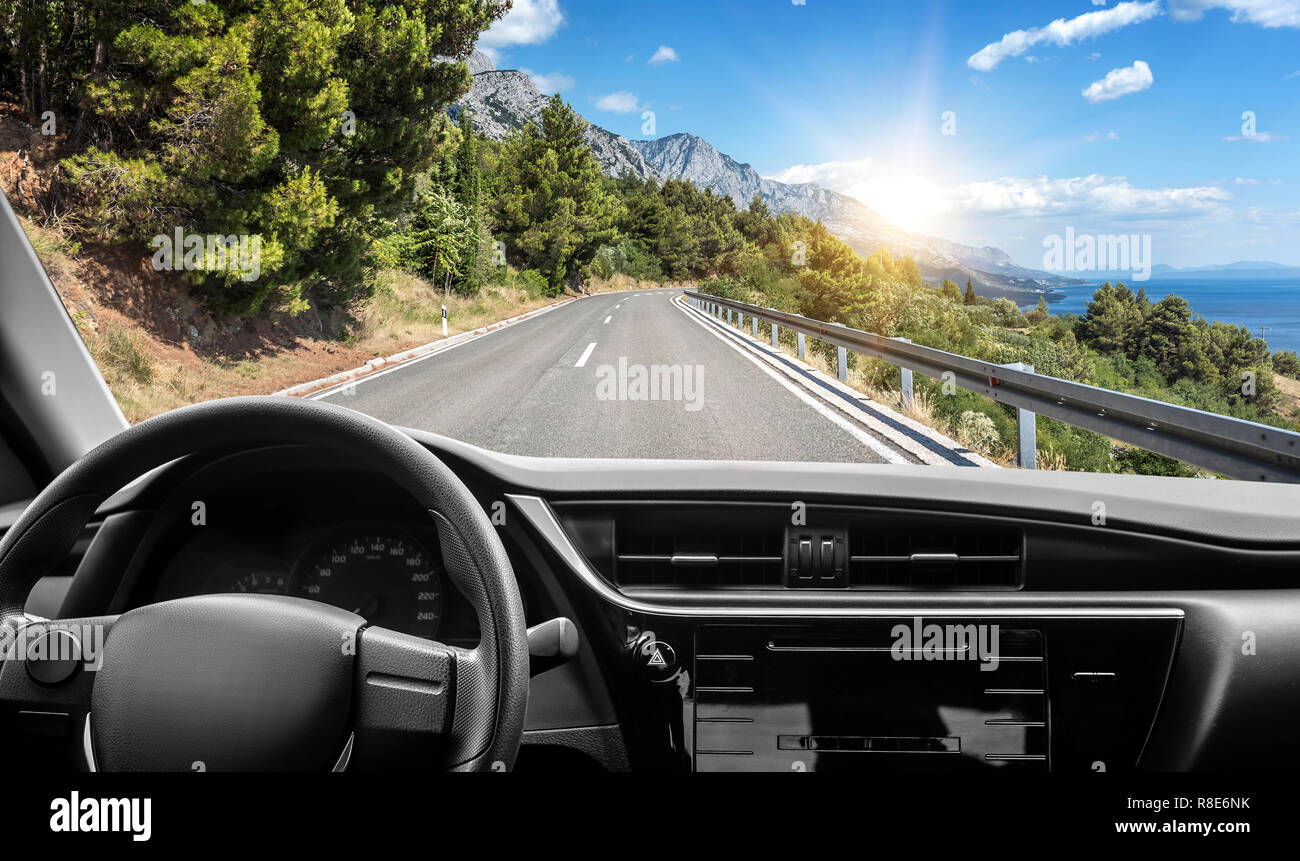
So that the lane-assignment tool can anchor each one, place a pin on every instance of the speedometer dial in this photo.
(381, 573)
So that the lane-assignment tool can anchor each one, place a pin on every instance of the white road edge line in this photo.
(607, 319)
(761, 350)
(586, 354)
(889, 455)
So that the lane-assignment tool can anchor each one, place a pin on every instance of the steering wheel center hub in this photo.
(225, 683)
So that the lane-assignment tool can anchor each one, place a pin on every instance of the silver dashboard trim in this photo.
(88, 750)
(541, 517)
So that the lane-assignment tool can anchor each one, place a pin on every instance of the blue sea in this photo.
(1273, 304)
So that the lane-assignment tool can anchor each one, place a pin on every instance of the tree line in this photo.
(309, 123)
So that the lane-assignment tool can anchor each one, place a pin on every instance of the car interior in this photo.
(365, 409)
(638, 615)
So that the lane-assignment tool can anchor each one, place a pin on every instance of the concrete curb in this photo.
(414, 352)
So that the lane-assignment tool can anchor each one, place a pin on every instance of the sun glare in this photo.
(909, 201)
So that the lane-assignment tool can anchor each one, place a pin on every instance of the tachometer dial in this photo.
(253, 576)
(380, 572)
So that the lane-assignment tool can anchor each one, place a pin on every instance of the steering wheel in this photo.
(265, 682)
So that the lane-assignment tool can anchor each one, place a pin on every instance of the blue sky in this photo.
(1117, 118)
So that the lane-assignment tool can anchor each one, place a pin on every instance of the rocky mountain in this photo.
(502, 101)
(686, 156)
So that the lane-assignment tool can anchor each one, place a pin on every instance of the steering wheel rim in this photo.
(491, 681)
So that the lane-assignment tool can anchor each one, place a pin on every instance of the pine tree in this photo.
(1040, 312)
(468, 192)
(303, 122)
(439, 234)
(553, 201)
(968, 298)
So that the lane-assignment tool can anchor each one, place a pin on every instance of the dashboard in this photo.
(343, 538)
(720, 632)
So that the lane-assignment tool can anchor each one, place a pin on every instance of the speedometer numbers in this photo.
(383, 574)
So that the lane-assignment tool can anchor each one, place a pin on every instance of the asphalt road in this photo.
(549, 386)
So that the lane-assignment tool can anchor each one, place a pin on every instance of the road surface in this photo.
(550, 386)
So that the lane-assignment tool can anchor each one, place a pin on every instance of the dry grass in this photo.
(918, 408)
(1290, 391)
(1052, 460)
(150, 373)
(148, 377)
(407, 311)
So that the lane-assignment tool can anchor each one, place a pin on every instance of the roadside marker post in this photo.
(1026, 427)
(905, 381)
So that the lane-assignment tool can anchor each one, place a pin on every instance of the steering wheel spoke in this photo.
(47, 673)
(404, 698)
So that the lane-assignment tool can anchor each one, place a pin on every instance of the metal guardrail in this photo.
(1229, 446)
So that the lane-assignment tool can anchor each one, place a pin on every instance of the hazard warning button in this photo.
(657, 660)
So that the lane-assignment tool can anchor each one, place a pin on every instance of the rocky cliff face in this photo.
(503, 101)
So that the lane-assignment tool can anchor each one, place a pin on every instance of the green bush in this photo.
(532, 281)
(1287, 363)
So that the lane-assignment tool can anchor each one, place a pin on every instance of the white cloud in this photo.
(1120, 82)
(1062, 32)
(663, 55)
(1245, 180)
(1095, 55)
(1290, 75)
(1265, 13)
(529, 22)
(1257, 137)
(1098, 136)
(555, 82)
(1023, 196)
(621, 102)
(1099, 2)
(1087, 195)
(835, 175)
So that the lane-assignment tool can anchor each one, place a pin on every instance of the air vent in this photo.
(682, 545)
(697, 545)
(899, 554)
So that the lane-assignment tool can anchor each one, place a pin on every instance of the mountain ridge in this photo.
(504, 100)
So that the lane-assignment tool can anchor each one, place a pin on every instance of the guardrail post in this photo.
(753, 325)
(740, 319)
(800, 340)
(905, 380)
(1026, 428)
(776, 341)
(728, 316)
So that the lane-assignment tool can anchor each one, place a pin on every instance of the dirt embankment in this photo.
(157, 344)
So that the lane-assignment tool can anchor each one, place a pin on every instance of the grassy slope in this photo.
(150, 372)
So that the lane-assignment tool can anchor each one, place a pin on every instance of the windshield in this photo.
(989, 235)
